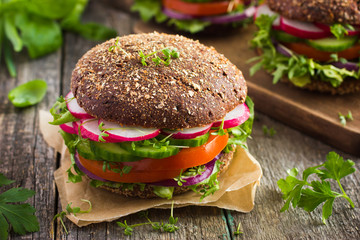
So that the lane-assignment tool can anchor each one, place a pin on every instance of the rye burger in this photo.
(153, 115)
(196, 15)
(313, 44)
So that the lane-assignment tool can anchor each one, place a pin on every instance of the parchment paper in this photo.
(237, 187)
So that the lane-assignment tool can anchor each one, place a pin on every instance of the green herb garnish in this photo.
(343, 118)
(168, 55)
(70, 210)
(163, 227)
(309, 195)
(20, 216)
(61, 113)
(238, 231)
(28, 94)
(297, 68)
(268, 131)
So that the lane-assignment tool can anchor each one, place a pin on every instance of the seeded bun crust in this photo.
(196, 89)
(148, 192)
(321, 11)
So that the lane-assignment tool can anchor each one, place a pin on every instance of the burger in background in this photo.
(196, 15)
(312, 44)
(153, 115)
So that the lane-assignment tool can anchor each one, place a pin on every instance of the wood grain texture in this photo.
(311, 112)
(26, 158)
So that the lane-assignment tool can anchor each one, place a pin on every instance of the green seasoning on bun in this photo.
(312, 44)
(153, 115)
(196, 15)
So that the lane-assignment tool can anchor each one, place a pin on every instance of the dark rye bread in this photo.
(198, 88)
(148, 190)
(321, 11)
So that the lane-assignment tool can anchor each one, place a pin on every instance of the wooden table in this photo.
(25, 157)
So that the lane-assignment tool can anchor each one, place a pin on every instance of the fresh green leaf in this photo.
(51, 9)
(338, 30)
(4, 180)
(9, 60)
(61, 113)
(12, 34)
(192, 26)
(28, 94)
(299, 69)
(309, 196)
(149, 9)
(91, 30)
(41, 36)
(20, 216)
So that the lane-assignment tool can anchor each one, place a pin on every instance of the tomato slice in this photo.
(310, 52)
(199, 9)
(153, 170)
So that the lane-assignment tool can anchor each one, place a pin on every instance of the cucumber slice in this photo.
(332, 44)
(112, 152)
(150, 151)
(282, 36)
(193, 142)
(84, 149)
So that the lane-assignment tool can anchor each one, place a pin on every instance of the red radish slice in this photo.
(76, 126)
(89, 128)
(264, 9)
(302, 29)
(74, 107)
(68, 127)
(235, 118)
(118, 133)
(187, 133)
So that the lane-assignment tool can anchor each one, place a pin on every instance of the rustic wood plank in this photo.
(24, 155)
(287, 149)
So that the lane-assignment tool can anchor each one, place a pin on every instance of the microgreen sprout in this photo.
(164, 227)
(70, 210)
(117, 46)
(343, 118)
(124, 170)
(168, 55)
(238, 231)
(179, 179)
(103, 133)
(268, 131)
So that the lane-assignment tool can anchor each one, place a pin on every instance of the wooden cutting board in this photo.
(313, 113)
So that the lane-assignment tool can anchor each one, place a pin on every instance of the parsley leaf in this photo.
(338, 30)
(20, 216)
(308, 196)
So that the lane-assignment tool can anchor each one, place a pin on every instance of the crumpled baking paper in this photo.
(237, 187)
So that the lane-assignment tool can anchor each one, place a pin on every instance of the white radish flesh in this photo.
(264, 9)
(235, 118)
(74, 107)
(302, 29)
(187, 133)
(68, 127)
(89, 128)
(118, 133)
